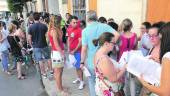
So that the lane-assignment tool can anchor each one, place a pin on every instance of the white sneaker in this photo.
(81, 86)
(76, 81)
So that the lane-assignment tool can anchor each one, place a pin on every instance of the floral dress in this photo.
(103, 86)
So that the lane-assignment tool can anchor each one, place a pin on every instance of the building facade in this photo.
(137, 10)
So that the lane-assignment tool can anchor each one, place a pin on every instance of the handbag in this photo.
(118, 93)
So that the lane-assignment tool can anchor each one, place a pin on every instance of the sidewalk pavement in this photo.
(68, 76)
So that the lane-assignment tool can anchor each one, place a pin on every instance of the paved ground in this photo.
(68, 77)
(11, 86)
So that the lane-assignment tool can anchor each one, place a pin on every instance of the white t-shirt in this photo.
(167, 55)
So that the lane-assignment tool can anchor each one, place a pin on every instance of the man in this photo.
(92, 31)
(74, 45)
(37, 39)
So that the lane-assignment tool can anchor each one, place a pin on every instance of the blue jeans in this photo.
(5, 59)
(92, 82)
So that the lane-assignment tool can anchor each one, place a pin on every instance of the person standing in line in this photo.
(37, 39)
(4, 45)
(128, 41)
(15, 47)
(55, 38)
(74, 45)
(163, 88)
(93, 30)
(145, 44)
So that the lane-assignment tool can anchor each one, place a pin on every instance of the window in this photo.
(79, 9)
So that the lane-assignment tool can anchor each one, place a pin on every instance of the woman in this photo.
(107, 72)
(15, 49)
(154, 52)
(145, 44)
(128, 41)
(164, 87)
(4, 45)
(55, 38)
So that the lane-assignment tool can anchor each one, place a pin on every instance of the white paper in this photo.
(127, 55)
(86, 72)
(150, 69)
(70, 61)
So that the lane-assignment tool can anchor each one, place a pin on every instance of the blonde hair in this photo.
(55, 22)
(11, 27)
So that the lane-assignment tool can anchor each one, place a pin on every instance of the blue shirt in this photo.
(145, 41)
(91, 32)
(4, 45)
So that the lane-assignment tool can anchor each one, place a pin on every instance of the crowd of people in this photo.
(47, 39)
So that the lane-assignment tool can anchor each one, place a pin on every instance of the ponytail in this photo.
(96, 42)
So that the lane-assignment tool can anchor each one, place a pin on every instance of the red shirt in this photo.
(74, 34)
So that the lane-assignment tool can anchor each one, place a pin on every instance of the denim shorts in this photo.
(40, 54)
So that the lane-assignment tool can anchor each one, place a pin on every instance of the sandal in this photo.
(21, 78)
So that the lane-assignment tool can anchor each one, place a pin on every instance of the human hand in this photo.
(81, 66)
(72, 52)
(156, 59)
(144, 83)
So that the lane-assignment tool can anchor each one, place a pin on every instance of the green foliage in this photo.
(11, 6)
(16, 5)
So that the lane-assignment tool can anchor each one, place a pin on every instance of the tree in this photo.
(16, 5)
(11, 6)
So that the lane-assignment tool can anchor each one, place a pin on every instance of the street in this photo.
(11, 86)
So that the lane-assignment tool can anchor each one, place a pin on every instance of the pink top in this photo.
(127, 44)
(52, 41)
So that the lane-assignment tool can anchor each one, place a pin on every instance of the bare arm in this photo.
(83, 53)
(30, 40)
(163, 89)
(68, 45)
(1, 37)
(110, 71)
(117, 35)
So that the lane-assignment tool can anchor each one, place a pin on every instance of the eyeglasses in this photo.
(153, 36)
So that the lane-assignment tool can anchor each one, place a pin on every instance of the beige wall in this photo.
(3, 5)
(62, 9)
(39, 6)
(121, 9)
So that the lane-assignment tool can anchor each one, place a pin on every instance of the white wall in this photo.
(121, 9)
(53, 6)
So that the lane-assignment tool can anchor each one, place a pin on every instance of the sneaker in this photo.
(76, 81)
(51, 73)
(44, 76)
(81, 86)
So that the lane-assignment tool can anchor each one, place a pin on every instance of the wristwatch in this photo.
(82, 63)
